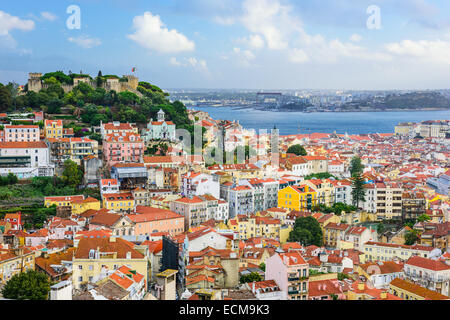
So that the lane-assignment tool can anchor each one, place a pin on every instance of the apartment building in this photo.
(26, 159)
(194, 210)
(291, 272)
(300, 198)
(53, 129)
(19, 133)
(94, 254)
(75, 149)
(379, 251)
(122, 147)
(431, 274)
(240, 200)
(117, 127)
(150, 220)
(15, 261)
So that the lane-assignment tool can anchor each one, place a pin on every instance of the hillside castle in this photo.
(36, 84)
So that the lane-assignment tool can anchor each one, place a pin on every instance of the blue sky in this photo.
(255, 44)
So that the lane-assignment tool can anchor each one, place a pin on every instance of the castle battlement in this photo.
(36, 84)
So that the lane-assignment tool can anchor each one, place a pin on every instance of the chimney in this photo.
(361, 286)
(253, 287)
(383, 295)
(112, 239)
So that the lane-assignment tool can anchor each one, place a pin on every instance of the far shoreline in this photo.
(329, 111)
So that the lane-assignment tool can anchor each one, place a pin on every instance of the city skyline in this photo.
(281, 44)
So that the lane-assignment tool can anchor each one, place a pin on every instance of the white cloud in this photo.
(254, 41)
(270, 19)
(85, 41)
(356, 37)
(298, 56)
(48, 16)
(244, 57)
(190, 62)
(173, 61)
(151, 33)
(437, 51)
(9, 23)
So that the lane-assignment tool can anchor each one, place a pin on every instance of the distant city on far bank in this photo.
(312, 100)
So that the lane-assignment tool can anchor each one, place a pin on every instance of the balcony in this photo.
(290, 291)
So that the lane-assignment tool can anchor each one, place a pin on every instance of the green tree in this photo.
(72, 174)
(381, 228)
(411, 237)
(99, 79)
(320, 175)
(5, 99)
(30, 285)
(297, 150)
(358, 191)
(423, 218)
(254, 276)
(262, 266)
(356, 167)
(307, 231)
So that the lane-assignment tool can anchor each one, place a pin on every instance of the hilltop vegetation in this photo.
(92, 105)
(417, 100)
(412, 100)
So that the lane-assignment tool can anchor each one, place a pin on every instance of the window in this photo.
(80, 267)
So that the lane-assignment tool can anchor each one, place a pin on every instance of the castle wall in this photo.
(36, 84)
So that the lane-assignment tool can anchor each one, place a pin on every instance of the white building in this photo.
(197, 184)
(429, 273)
(108, 186)
(222, 211)
(336, 167)
(25, 159)
(61, 291)
(343, 191)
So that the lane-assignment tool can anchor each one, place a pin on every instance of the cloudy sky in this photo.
(254, 44)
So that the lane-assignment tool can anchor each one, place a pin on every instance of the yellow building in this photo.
(119, 202)
(163, 202)
(15, 261)
(284, 233)
(78, 203)
(255, 226)
(404, 129)
(81, 206)
(94, 254)
(324, 189)
(409, 291)
(378, 251)
(53, 129)
(299, 198)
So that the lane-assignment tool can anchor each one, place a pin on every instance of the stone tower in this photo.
(34, 81)
(133, 81)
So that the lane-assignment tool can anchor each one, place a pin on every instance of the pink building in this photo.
(325, 290)
(290, 271)
(149, 220)
(18, 133)
(123, 147)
